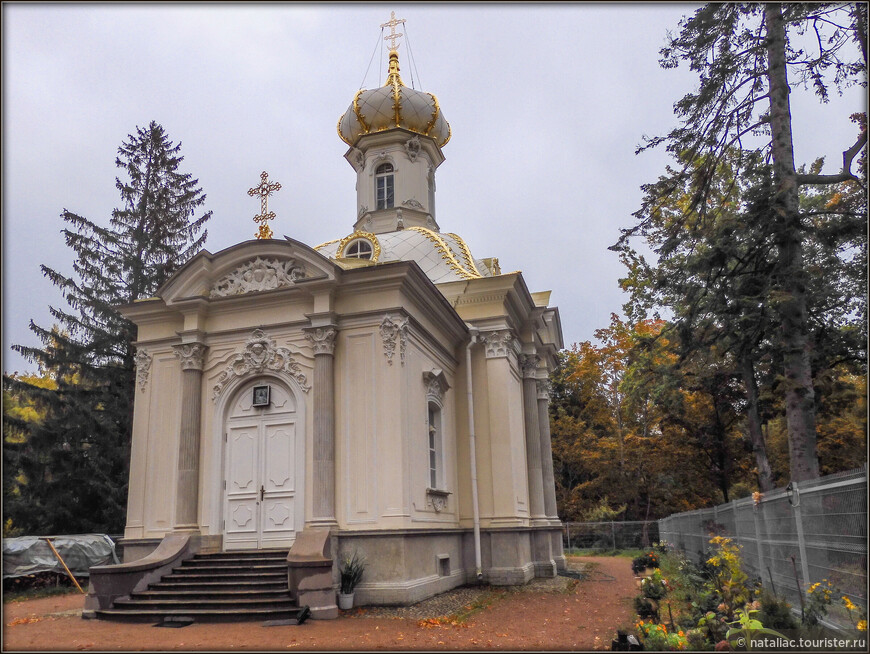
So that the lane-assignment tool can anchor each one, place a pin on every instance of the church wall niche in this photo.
(164, 418)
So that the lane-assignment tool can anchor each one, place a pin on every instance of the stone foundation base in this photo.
(408, 566)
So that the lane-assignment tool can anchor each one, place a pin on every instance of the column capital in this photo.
(544, 389)
(322, 339)
(192, 355)
(498, 343)
(529, 364)
(394, 331)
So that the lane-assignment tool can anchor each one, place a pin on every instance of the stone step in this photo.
(210, 593)
(208, 603)
(219, 567)
(179, 573)
(234, 561)
(230, 569)
(296, 614)
(245, 554)
(249, 584)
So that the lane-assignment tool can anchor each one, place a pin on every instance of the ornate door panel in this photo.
(262, 470)
(242, 516)
(279, 483)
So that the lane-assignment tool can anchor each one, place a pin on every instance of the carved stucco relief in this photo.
(143, 366)
(192, 355)
(414, 204)
(261, 354)
(436, 384)
(499, 343)
(394, 331)
(437, 499)
(529, 364)
(544, 389)
(412, 148)
(322, 339)
(258, 275)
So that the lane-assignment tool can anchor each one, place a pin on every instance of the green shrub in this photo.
(352, 569)
(646, 609)
(647, 560)
(776, 613)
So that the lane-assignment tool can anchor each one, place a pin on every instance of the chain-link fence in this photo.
(792, 538)
(627, 535)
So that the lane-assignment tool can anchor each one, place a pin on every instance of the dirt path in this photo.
(580, 616)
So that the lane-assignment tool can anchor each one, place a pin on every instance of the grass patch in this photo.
(38, 593)
(629, 554)
(483, 602)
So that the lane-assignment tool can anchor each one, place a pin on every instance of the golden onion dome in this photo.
(393, 105)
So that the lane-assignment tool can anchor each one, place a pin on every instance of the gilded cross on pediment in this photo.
(393, 35)
(264, 190)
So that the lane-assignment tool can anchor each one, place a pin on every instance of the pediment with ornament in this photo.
(250, 267)
(259, 274)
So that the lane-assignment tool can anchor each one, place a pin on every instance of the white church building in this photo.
(383, 393)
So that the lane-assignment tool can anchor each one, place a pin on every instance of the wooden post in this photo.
(57, 554)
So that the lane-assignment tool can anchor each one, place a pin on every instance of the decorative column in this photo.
(500, 469)
(547, 475)
(529, 365)
(556, 546)
(192, 356)
(323, 341)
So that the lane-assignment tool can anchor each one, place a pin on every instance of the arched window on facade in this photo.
(384, 185)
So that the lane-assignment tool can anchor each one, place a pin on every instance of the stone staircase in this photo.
(219, 587)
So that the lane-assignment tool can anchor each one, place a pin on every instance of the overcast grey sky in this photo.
(546, 102)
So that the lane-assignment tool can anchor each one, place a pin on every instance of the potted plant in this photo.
(351, 571)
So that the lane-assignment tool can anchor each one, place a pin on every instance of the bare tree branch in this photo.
(843, 176)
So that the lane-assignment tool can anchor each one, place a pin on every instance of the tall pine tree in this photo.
(744, 54)
(73, 462)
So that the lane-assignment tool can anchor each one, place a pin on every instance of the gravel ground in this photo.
(455, 602)
(561, 614)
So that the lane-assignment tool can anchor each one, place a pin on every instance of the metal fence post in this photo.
(802, 544)
(756, 506)
(613, 534)
(736, 527)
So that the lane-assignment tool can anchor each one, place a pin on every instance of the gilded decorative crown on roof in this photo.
(392, 106)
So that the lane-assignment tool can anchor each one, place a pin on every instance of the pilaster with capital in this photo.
(546, 449)
(322, 340)
(192, 358)
(529, 366)
(498, 343)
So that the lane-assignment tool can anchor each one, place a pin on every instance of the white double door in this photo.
(261, 498)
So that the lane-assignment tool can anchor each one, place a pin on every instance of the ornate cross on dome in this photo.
(264, 190)
(392, 25)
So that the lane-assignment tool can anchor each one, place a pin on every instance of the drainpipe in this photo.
(472, 452)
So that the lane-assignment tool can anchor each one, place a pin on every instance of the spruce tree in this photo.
(74, 460)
